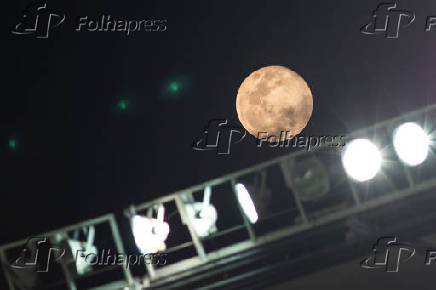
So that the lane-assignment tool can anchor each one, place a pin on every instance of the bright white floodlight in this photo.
(361, 159)
(246, 203)
(203, 218)
(150, 233)
(411, 143)
(203, 215)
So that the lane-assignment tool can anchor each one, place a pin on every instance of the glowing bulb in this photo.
(246, 203)
(361, 159)
(203, 218)
(411, 143)
(150, 234)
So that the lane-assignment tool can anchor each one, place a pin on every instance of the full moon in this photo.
(276, 101)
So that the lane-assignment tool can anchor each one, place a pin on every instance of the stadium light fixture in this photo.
(150, 233)
(411, 143)
(309, 178)
(203, 215)
(361, 159)
(246, 203)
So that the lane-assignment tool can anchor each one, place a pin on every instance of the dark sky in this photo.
(78, 155)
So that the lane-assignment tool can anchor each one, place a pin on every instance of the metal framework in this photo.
(187, 267)
(69, 280)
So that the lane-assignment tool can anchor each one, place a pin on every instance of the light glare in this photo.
(203, 218)
(246, 203)
(361, 159)
(411, 143)
(150, 234)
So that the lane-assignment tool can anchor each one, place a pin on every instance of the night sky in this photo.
(102, 120)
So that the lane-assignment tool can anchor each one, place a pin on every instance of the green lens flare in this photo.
(12, 143)
(174, 87)
(123, 105)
